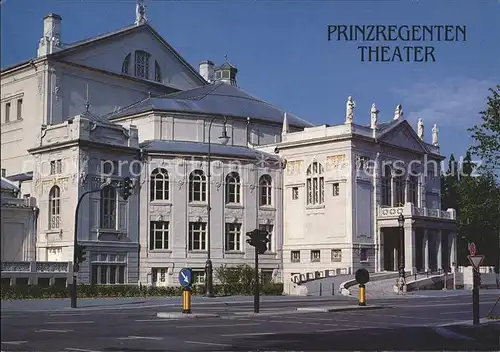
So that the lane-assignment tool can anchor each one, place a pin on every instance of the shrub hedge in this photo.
(101, 291)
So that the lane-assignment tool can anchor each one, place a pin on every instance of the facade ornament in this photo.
(398, 113)
(159, 217)
(420, 129)
(435, 131)
(235, 220)
(252, 187)
(350, 106)
(217, 184)
(180, 183)
(40, 83)
(140, 13)
(57, 92)
(374, 117)
(285, 128)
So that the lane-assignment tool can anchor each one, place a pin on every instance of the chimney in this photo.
(207, 70)
(51, 38)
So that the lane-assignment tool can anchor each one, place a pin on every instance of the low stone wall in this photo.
(489, 279)
(36, 273)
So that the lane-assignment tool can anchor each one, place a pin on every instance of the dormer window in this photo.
(142, 64)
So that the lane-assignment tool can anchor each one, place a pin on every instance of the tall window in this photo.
(413, 190)
(142, 64)
(126, 65)
(157, 72)
(159, 184)
(197, 236)
(19, 109)
(158, 235)
(233, 237)
(233, 188)
(399, 190)
(55, 166)
(315, 184)
(54, 207)
(197, 186)
(269, 229)
(108, 208)
(386, 180)
(265, 186)
(7, 112)
(109, 269)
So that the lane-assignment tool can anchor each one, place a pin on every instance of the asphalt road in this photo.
(417, 323)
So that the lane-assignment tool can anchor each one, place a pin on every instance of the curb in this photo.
(482, 321)
(176, 315)
(338, 309)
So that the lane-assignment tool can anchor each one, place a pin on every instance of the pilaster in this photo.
(439, 250)
(425, 249)
(409, 248)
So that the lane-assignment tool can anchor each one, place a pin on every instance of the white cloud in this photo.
(453, 101)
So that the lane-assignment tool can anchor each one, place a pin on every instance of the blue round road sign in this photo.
(186, 277)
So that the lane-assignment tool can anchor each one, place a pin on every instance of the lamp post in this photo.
(401, 222)
(224, 138)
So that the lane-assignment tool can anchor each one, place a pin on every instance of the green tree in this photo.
(487, 134)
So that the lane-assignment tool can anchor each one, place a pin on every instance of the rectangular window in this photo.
(363, 255)
(413, 190)
(295, 193)
(158, 235)
(336, 189)
(197, 236)
(233, 237)
(19, 109)
(399, 187)
(142, 64)
(295, 256)
(198, 277)
(109, 167)
(7, 112)
(336, 255)
(108, 269)
(269, 229)
(55, 167)
(4, 172)
(386, 191)
(315, 256)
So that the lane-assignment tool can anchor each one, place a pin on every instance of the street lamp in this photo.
(401, 222)
(224, 138)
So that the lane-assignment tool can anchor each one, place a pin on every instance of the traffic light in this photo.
(80, 256)
(258, 239)
(127, 188)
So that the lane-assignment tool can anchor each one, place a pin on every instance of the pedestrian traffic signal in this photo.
(127, 188)
(258, 239)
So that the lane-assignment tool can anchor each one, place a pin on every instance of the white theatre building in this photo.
(127, 104)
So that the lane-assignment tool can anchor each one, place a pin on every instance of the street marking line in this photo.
(68, 314)
(442, 305)
(333, 330)
(457, 312)
(52, 330)
(69, 322)
(158, 319)
(215, 326)
(80, 350)
(256, 333)
(208, 343)
(140, 338)
(14, 342)
(451, 334)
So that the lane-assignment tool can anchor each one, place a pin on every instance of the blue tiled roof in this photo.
(6, 185)
(217, 99)
(181, 147)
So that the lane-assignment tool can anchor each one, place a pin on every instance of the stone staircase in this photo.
(376, 289)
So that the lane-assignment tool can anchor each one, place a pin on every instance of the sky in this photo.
(283, 55)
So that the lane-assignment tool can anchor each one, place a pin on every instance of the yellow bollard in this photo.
(362, 295)
(186, 301)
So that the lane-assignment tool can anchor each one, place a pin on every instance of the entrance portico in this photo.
(429, 239)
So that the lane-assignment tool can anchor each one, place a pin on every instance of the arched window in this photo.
(126, 65)
(233, 188)
(265, 186)
(108, 208)
(159, 184)
(315, 184)
(386, 189)
(197, 186)
(157, 72)
(54, 207)
(142, 64)
(399, 188)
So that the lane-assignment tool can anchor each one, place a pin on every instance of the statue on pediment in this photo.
(398, 113)
(420, 129)
(140, 13)
(374, 116)
(350, 106)
(435, 131)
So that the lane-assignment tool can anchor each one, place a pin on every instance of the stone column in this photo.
(380, 252)
(452, 240)
(439, 250)
(425, 250)
(409, 248)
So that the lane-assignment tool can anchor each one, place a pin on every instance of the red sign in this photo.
(476, 260)
(472, 249)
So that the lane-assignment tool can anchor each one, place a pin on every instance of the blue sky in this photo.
(283, 56)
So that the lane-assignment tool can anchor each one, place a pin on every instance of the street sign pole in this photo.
(476, 261)
(256, 298)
